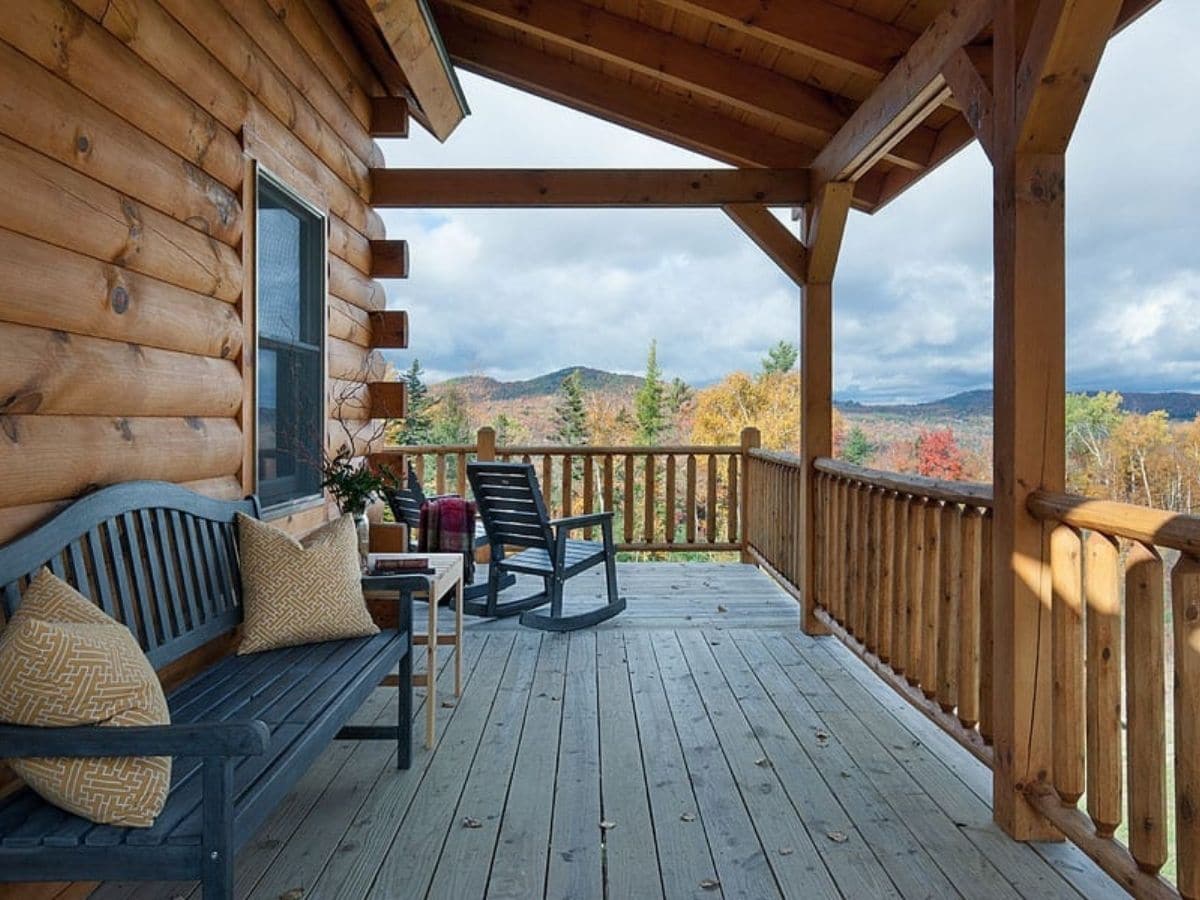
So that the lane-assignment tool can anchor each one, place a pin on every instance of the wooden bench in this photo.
(163, 561)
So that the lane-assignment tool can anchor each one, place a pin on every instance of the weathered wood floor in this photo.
(724, 756)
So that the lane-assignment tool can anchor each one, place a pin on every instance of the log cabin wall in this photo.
(129, 132)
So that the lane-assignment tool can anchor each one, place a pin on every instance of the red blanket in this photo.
(447, 525)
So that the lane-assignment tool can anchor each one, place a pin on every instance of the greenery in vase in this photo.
(354, 484)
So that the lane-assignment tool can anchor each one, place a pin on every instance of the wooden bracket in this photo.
(389, 259)
(772, 237)
(973, 94)
(389, 329)
(389, 399)
(824, 229)
(389, 117)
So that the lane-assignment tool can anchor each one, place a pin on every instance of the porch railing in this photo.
(672, 499)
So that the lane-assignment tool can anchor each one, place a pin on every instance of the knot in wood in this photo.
(118, 300)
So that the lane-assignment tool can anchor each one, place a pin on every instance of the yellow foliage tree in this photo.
(770, 403)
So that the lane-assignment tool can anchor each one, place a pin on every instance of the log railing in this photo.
(1113, 724)
(671, 499)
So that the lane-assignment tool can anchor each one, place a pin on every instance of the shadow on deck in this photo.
(679, 751)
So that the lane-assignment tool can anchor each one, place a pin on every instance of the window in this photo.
(291, 371)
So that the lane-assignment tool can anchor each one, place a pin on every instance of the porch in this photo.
(698, 745)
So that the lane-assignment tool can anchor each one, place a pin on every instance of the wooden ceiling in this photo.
(753, 83)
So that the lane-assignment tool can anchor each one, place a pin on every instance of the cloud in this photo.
(521, 292)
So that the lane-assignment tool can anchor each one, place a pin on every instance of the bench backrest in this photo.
(157, 557)
(510, 504)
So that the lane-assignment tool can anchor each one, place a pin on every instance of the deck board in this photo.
(730, 756)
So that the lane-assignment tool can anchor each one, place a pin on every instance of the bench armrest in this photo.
(572, 523)
(245, 738)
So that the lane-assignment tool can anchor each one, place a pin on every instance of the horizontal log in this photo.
(493, 188)
(353, 363)
(389, 117)
(389, 259)
(389, 329)
(349, 245)
(338, 32)
(588, 450)
(50, 287)
(367, 435)
(967, 493)
(58, 35)
(57, 373)
(53, 457)
(388, 399)
(47, 114)
(348, 322)
(1153, 527)
(54, 203)
(347, 282)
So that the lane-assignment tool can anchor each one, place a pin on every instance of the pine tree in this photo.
(780, 359)
(858, 449)
(417, 429)
(678, 395)
(648, 404)
(570, 414)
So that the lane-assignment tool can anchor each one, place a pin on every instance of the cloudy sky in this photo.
(513, 294)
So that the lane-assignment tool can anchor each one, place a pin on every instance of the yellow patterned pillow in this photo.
(300, 593)
(64, 662)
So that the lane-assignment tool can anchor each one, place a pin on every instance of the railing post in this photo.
(751, 439)
(485, 444)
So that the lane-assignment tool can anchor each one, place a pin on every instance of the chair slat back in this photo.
(158, 558)
(510, 504)
(406, 503)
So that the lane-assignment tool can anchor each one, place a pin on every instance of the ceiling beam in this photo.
(663, 115)
(818, 29)
(410, 32)
(772, 237)
(913, 89)
(667, 57)
(506, 188)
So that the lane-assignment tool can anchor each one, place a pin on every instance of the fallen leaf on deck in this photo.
(763, 762)
(838, 837)
(471, 822)
(688, 817)
(606, 825)
(293, 894)
(722, 609)
(447, 704)
(786, 851)
(710, 884)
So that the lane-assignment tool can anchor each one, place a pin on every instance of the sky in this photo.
(516, 293)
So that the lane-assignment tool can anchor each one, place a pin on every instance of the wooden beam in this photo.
(389, 399)
(825, 222)
(772, 237)
(818, 29)
(973, 95)
(495, 188)
(411, 33)
(389, 259)
(389, 117)
(389, 329)
(913, 89)
(666, 57)
(1057, 69)
(671, 118)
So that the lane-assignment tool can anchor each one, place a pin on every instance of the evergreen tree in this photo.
(780, 358)
(416, 428)
(678, 395)
(858, 449)
(649, 402)
(570, 414)
(507, 429)
(449, 420)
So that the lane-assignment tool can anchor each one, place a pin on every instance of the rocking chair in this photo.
(514, 514)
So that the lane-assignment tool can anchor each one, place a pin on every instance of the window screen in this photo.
(291, 288)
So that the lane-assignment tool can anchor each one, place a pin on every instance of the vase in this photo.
(362, 527)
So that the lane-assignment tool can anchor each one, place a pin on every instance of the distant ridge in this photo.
(483, 388)
(968, 404)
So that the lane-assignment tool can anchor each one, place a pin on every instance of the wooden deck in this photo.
(678, 751)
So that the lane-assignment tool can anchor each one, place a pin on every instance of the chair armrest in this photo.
(572, 523)
(244, 738)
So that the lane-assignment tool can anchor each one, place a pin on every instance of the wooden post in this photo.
(1045, 57)
(751, 439)
(825, 220)
(485, 444)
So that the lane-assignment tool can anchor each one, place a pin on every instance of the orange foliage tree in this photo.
(769, 402)
(939, 456)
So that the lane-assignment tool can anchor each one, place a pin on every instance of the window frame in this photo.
(264, 177)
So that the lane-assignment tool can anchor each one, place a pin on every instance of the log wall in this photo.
(127, 135)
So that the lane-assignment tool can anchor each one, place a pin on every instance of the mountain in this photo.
(483, 389)
(970, 404)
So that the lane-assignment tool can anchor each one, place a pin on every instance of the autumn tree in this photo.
(939, 456)
(649, 401)
(1140, 447)
(1091, 420)
(570, 413)
(508, 430)
(781, 358)
(448, 419)
(609, 422)
(679, 394)
(770, 403)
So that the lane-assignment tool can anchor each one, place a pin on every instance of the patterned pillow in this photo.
(300, 593)
(64, 662)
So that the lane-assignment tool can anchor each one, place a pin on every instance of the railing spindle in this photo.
(1066, 575)
(1145, 693)
(874, 560)
(916, 591)
(1102, 588)
(547, 484)
(628, 498)
(669, 522)
(440, 485)
(950, 584)
(568, 477)
(589, 492)
(986, 595)
(731, 498)
(710, 524)
(901, 560)
(1185, 605)
(608, 483)
(931, 604)
(690, 499)
(885, 617)
(968, 617)
(460, 475)
(648, 508)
